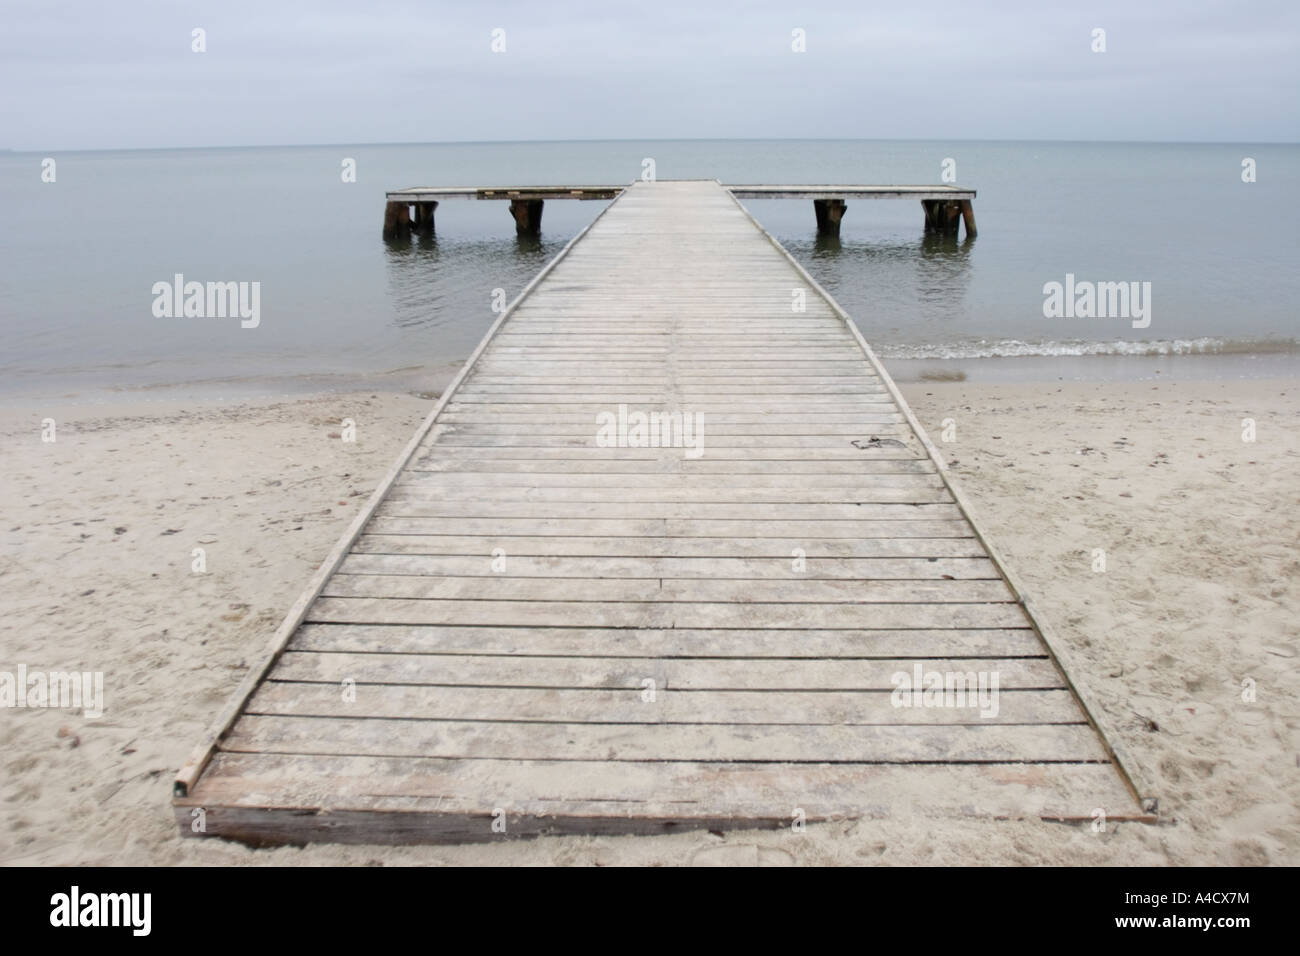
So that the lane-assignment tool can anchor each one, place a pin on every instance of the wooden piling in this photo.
(397, 220)
(968, 217)
(424, 217)
(829, 213)
(942, 216)
(528, 216)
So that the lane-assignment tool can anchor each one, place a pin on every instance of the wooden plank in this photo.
(809, 530)
(796, 744)
(702, 442)
(606, 706)
(756, 191)
(431, 800)
(657, 614)
(735, 467)
(783, 549)
(824, 489)
(471, 464)
(742, 411)
(418, 489)
(792, 590)
(632, 394)
(913, 643)
(587, 427)
(654, 567)
(586, 416)
(748, 401)
(483, 670)
(439, 193)
(716, 453)
(408, 504)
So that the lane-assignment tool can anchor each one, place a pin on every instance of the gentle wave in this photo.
(1015, 348)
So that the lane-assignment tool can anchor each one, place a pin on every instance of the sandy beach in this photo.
(1199, 530)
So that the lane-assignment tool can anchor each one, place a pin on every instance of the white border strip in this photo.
(1123, 761)
(189, 774)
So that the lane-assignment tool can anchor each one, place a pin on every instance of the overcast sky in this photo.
(107, 74)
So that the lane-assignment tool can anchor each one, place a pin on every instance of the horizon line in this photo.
(687, 139)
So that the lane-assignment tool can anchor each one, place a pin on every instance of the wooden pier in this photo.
(412, 210)
(531, 630)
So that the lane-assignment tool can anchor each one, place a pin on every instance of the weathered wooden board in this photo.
(717, 568)
(791, 743)
(301, 798)
(617, 707)
(700, 590)
(719, 548)
(731, 673)
(900, 643)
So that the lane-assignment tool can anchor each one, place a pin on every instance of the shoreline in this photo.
(432, 379)
(234, 390)
(1042, 369)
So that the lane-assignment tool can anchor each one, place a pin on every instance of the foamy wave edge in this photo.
(1015, 348)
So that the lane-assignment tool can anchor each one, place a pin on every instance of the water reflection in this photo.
(827, 245)
(529, 247)
(898, 288)
(943, 269)
(448, 283)
(857, 250)
(935, 245)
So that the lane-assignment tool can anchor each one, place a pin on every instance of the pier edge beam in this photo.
(424, 217)
(397, 220)
(829, 212)
(528, 216)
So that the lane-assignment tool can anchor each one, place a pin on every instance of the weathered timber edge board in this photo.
(830, 191)
(258, 826)
(188, 775)
(438, 193)
(740, 191)
(1129, 769)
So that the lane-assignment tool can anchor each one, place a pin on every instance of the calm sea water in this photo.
(79, 256)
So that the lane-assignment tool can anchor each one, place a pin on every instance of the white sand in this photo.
(1200, 532)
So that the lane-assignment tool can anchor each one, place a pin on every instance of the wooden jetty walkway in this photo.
(534, 629)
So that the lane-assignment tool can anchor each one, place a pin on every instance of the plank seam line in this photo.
(654, 600)
(629, 577)
(654, 723)
(1059, 689)
(837, 658)
(637, 627)
(689, 657)
(655, 760)
(561, 517)
(189, 774)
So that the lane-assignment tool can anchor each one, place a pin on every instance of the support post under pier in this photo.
(829, 213)
(397, 220)
(424, 217)
(944, 216)
(528, 216)
(968, 218)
